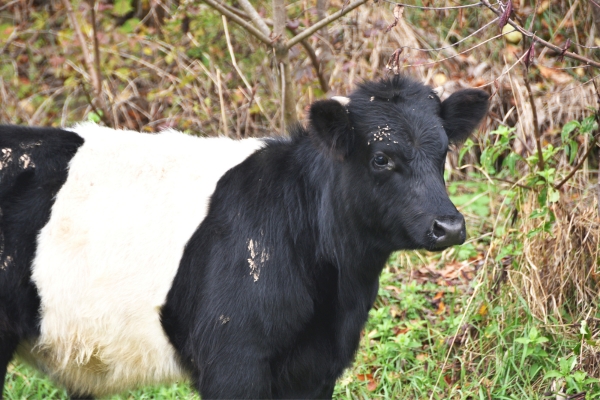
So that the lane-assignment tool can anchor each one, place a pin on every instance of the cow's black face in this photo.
(392, 138)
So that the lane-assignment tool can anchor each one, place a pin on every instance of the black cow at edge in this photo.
(248, 267)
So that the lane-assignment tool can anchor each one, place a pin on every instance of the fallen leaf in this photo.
(483, 310)
(364, 377)
(441, 308)
(372, 385)
(558, 77)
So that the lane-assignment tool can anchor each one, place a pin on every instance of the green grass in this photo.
(499, 352)
(441, 328)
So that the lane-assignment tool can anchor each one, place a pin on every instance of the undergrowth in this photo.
(512, 313)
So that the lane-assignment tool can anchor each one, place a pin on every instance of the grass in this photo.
(444, 326)
(511, 314)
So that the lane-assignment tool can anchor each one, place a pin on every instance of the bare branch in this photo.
(457, 54)
(435, 8)
(237, 68)
(542, 41)
(315, 62)
(279, 17)
(251, 29)
(324, 22)
(453, 44)
(86, 54)
(536, 125)
(256, 19)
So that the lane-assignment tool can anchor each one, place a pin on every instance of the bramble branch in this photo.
(544, 43)
(324, 22)
(249, 27)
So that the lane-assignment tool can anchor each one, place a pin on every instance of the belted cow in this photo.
(247, 267)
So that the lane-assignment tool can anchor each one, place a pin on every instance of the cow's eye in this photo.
(381, 161)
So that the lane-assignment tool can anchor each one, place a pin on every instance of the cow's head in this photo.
(390, 139)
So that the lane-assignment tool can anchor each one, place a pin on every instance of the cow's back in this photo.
(108, 254)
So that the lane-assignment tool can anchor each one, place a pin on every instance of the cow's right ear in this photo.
(462, 112)
(330, 126)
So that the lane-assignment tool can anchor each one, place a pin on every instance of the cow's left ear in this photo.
(330, 126)
(462, 112)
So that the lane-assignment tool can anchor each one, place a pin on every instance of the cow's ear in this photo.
(462, 112)
(330, 126)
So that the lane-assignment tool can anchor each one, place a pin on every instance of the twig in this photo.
(256, 19)
(542, 41)
(435, 8)
(453, 44)
(314, 59)
(237, 68)
(283, 99)
(249, 27)
(322, 23)
(9, 4)
(232, 55)
(537, 4)
(96, 111)
(457, 54)
(536, 126)
(503, 73)
(12, 37)
(86, 54)
(222, 102)
(96, 47)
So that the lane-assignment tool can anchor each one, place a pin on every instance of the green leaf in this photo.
(588, 125)
(567, 129)
(573, 147)
(122, 7)
(129, 25)
(93, 117)
(523, 340)
(553, 374)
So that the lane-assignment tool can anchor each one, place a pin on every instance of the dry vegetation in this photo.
(179, 64)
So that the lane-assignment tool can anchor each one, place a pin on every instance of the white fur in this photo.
(108, 255)
(343, 100)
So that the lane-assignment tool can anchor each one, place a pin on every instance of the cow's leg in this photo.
(326, 391)
(8, 345)
(80, 397)
(237, 376)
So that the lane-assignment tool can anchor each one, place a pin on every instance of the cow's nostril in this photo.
(448, 232)
(438, 230)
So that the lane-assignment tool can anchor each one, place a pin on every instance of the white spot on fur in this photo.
(5, 157)
(6, 263)
(258, 257)
(343, 100)
(25, 161)
(107, 257)
(223, 319)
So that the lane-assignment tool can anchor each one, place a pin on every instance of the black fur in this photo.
(34, 165)
(275, 285)
(458, 125)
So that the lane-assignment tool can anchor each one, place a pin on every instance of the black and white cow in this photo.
(248, 267)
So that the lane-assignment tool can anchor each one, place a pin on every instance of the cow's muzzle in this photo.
(448, 231)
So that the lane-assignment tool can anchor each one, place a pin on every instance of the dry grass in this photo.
(560, 269)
